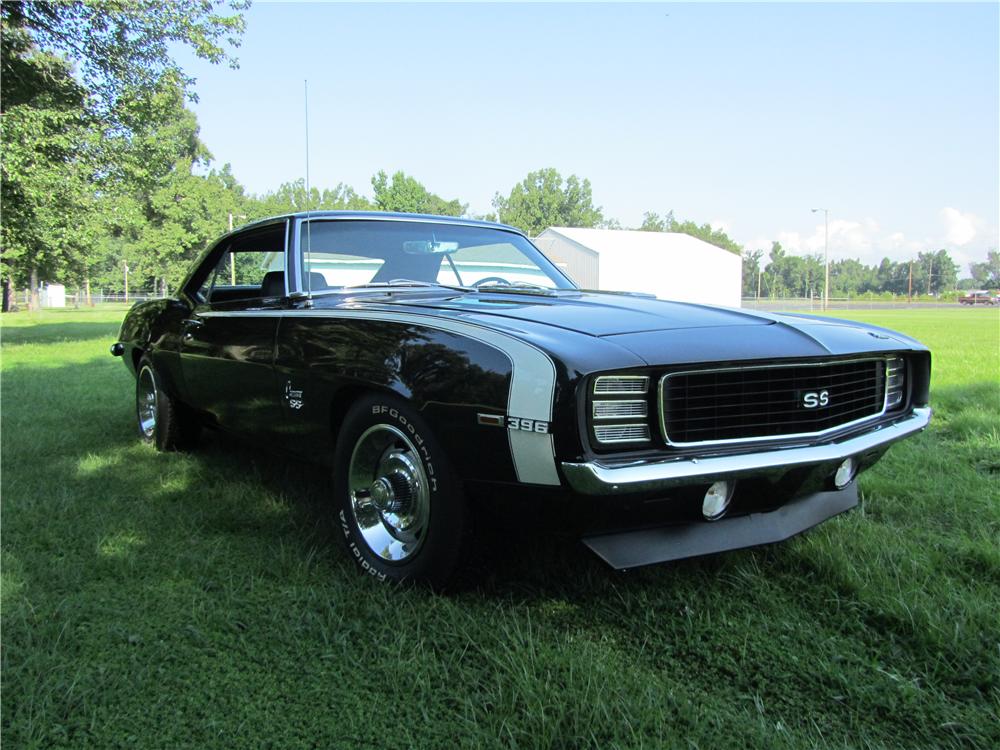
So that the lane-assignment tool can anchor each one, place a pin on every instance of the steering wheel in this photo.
(491, 279)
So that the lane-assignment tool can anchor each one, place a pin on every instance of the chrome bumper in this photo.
(596, 478)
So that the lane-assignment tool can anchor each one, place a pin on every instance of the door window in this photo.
(251, 268)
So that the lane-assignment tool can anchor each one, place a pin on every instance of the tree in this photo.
(120, 46)
(773, 281)
(653, 222)
(987, 274)
(543, 200)
(291, 196)
(936, 272)
(850, 277)
(75, 149)
(403, 193)
(705, 232)
(752, 272)
(45, 175)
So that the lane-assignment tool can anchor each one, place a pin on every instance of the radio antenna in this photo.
(307, 269)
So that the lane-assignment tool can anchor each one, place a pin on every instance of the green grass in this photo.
(202, 601)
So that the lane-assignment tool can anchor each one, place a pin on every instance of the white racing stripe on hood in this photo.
(532, 388)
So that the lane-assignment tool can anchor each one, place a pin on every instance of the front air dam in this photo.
(632, 549)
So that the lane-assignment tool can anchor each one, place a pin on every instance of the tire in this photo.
(161, 419)
(399, 507)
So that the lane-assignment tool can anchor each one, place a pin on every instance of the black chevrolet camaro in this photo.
(435, 363)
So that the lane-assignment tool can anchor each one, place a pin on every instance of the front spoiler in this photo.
(632, 549)
(597, 478)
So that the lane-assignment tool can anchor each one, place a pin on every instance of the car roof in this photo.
(378, 216)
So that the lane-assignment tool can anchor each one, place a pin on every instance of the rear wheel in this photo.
(398, 504)
(162, 420)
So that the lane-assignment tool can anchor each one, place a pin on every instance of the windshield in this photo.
(351, 253)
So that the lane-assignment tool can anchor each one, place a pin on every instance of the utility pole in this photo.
(760, 272)
(126, 281)
(826, 255)
(930, 272)
(909, 291)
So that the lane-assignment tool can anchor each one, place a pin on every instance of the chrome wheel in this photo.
(145, 402)
(389, 493)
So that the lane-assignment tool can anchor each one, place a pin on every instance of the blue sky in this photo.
(742, 115)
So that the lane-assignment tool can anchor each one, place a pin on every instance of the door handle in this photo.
(189, 325)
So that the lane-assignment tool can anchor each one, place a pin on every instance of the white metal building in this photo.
(670, 265)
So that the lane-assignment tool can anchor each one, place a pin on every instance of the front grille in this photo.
(760, 403)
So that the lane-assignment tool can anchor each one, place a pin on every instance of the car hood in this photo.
(645, 330)
(593, 313)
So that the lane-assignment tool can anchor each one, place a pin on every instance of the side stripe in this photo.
(532, 387)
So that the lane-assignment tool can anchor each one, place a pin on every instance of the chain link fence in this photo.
(815, 304)
(20, 299)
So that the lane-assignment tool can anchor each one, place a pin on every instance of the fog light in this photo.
(717, 500)
(845, 473)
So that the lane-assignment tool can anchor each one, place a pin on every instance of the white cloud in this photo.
(963, 235)
(847, 239)
(960, 228)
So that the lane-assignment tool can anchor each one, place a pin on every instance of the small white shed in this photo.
(670, 265)
(53, 295)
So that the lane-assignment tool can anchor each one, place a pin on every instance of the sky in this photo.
(745, 116)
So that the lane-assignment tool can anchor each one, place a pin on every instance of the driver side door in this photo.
(227, 341)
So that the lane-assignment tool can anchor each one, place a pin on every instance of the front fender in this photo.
(449, 378)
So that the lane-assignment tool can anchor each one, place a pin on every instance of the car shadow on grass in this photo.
(72, 420)
(56, 332)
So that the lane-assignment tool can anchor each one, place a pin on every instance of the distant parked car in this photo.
(434, 363)
(980, 297)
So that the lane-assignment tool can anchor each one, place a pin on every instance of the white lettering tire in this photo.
(398, 506)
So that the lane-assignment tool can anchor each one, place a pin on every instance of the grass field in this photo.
(202, 601)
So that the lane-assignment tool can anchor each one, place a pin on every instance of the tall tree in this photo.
(403, 193)
(123, 46)
(45, 162)
(752, 273)
(72, 137)
(543, 200)
(938, 272)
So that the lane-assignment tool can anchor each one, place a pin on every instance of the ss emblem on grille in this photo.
(813, 399)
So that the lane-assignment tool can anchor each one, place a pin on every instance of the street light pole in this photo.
(826, 255)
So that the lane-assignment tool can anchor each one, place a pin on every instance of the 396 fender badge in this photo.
(514, 423)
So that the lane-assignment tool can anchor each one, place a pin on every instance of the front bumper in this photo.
(598, 478)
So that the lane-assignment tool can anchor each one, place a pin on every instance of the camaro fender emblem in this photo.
(814, 399)
(293, 396)
(515, 423)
